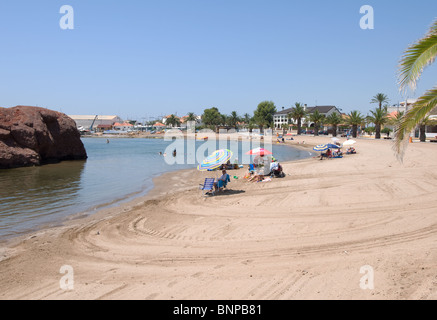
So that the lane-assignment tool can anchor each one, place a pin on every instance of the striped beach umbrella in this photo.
(333, 146)
(215, 160)
(321, 147)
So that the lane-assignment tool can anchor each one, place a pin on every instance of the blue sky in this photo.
(141, 59)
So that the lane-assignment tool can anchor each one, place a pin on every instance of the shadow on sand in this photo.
(228, 192)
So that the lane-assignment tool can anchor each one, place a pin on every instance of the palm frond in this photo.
(416, 58)
(412, 118)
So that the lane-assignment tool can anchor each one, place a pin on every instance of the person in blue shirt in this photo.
(222, 181)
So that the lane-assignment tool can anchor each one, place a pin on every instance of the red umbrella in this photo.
(259, 152)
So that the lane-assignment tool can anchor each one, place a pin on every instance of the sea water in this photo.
(36, 197)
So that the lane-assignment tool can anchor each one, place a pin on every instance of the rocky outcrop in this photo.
(31, 136)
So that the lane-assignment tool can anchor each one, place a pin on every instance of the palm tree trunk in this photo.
(422, 133)
(316, 130)
(354, 131)
(334, 133)
(299, 126)
(378, 131)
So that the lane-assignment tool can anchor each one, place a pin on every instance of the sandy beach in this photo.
(305, 236)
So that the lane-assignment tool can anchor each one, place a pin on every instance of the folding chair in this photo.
(208, 185)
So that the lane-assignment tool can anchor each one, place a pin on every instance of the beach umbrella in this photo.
(215, 160)
(333, 146)
(259, 151)
(321, 147)
(349, 143)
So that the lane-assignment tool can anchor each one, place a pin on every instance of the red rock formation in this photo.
(35, 136)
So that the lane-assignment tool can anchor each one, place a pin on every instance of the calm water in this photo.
(31, 198)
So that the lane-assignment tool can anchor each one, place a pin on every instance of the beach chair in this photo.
(208, 186)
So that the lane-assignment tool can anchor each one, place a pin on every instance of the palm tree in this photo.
(173, 121)
(422, 127)
(379, 118)
(355, 119)
(380, 98)
(285, 127)
(334, 119)
(224, 120)
(191, 116)
(251, 126)
(233, 119)
(415, 59)
(297, 114)
(246, 119)
(318, 120)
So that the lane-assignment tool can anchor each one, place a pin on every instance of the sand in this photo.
(306, 236)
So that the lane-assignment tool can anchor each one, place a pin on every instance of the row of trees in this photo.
(262, 118)
(174, 121)
(353, 120)
(213, 118)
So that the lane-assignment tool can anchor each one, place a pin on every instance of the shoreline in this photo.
(119, 203)
(302, 237)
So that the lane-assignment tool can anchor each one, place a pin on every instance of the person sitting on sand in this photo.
(256, 178)
(351, 150)
(227, 166)
(222, 181)
(259, 161)
(328, 154)
(276, 170)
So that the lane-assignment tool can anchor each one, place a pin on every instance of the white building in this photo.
(123, 126)
(402, 106)
(282, 116)
(92, 122)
